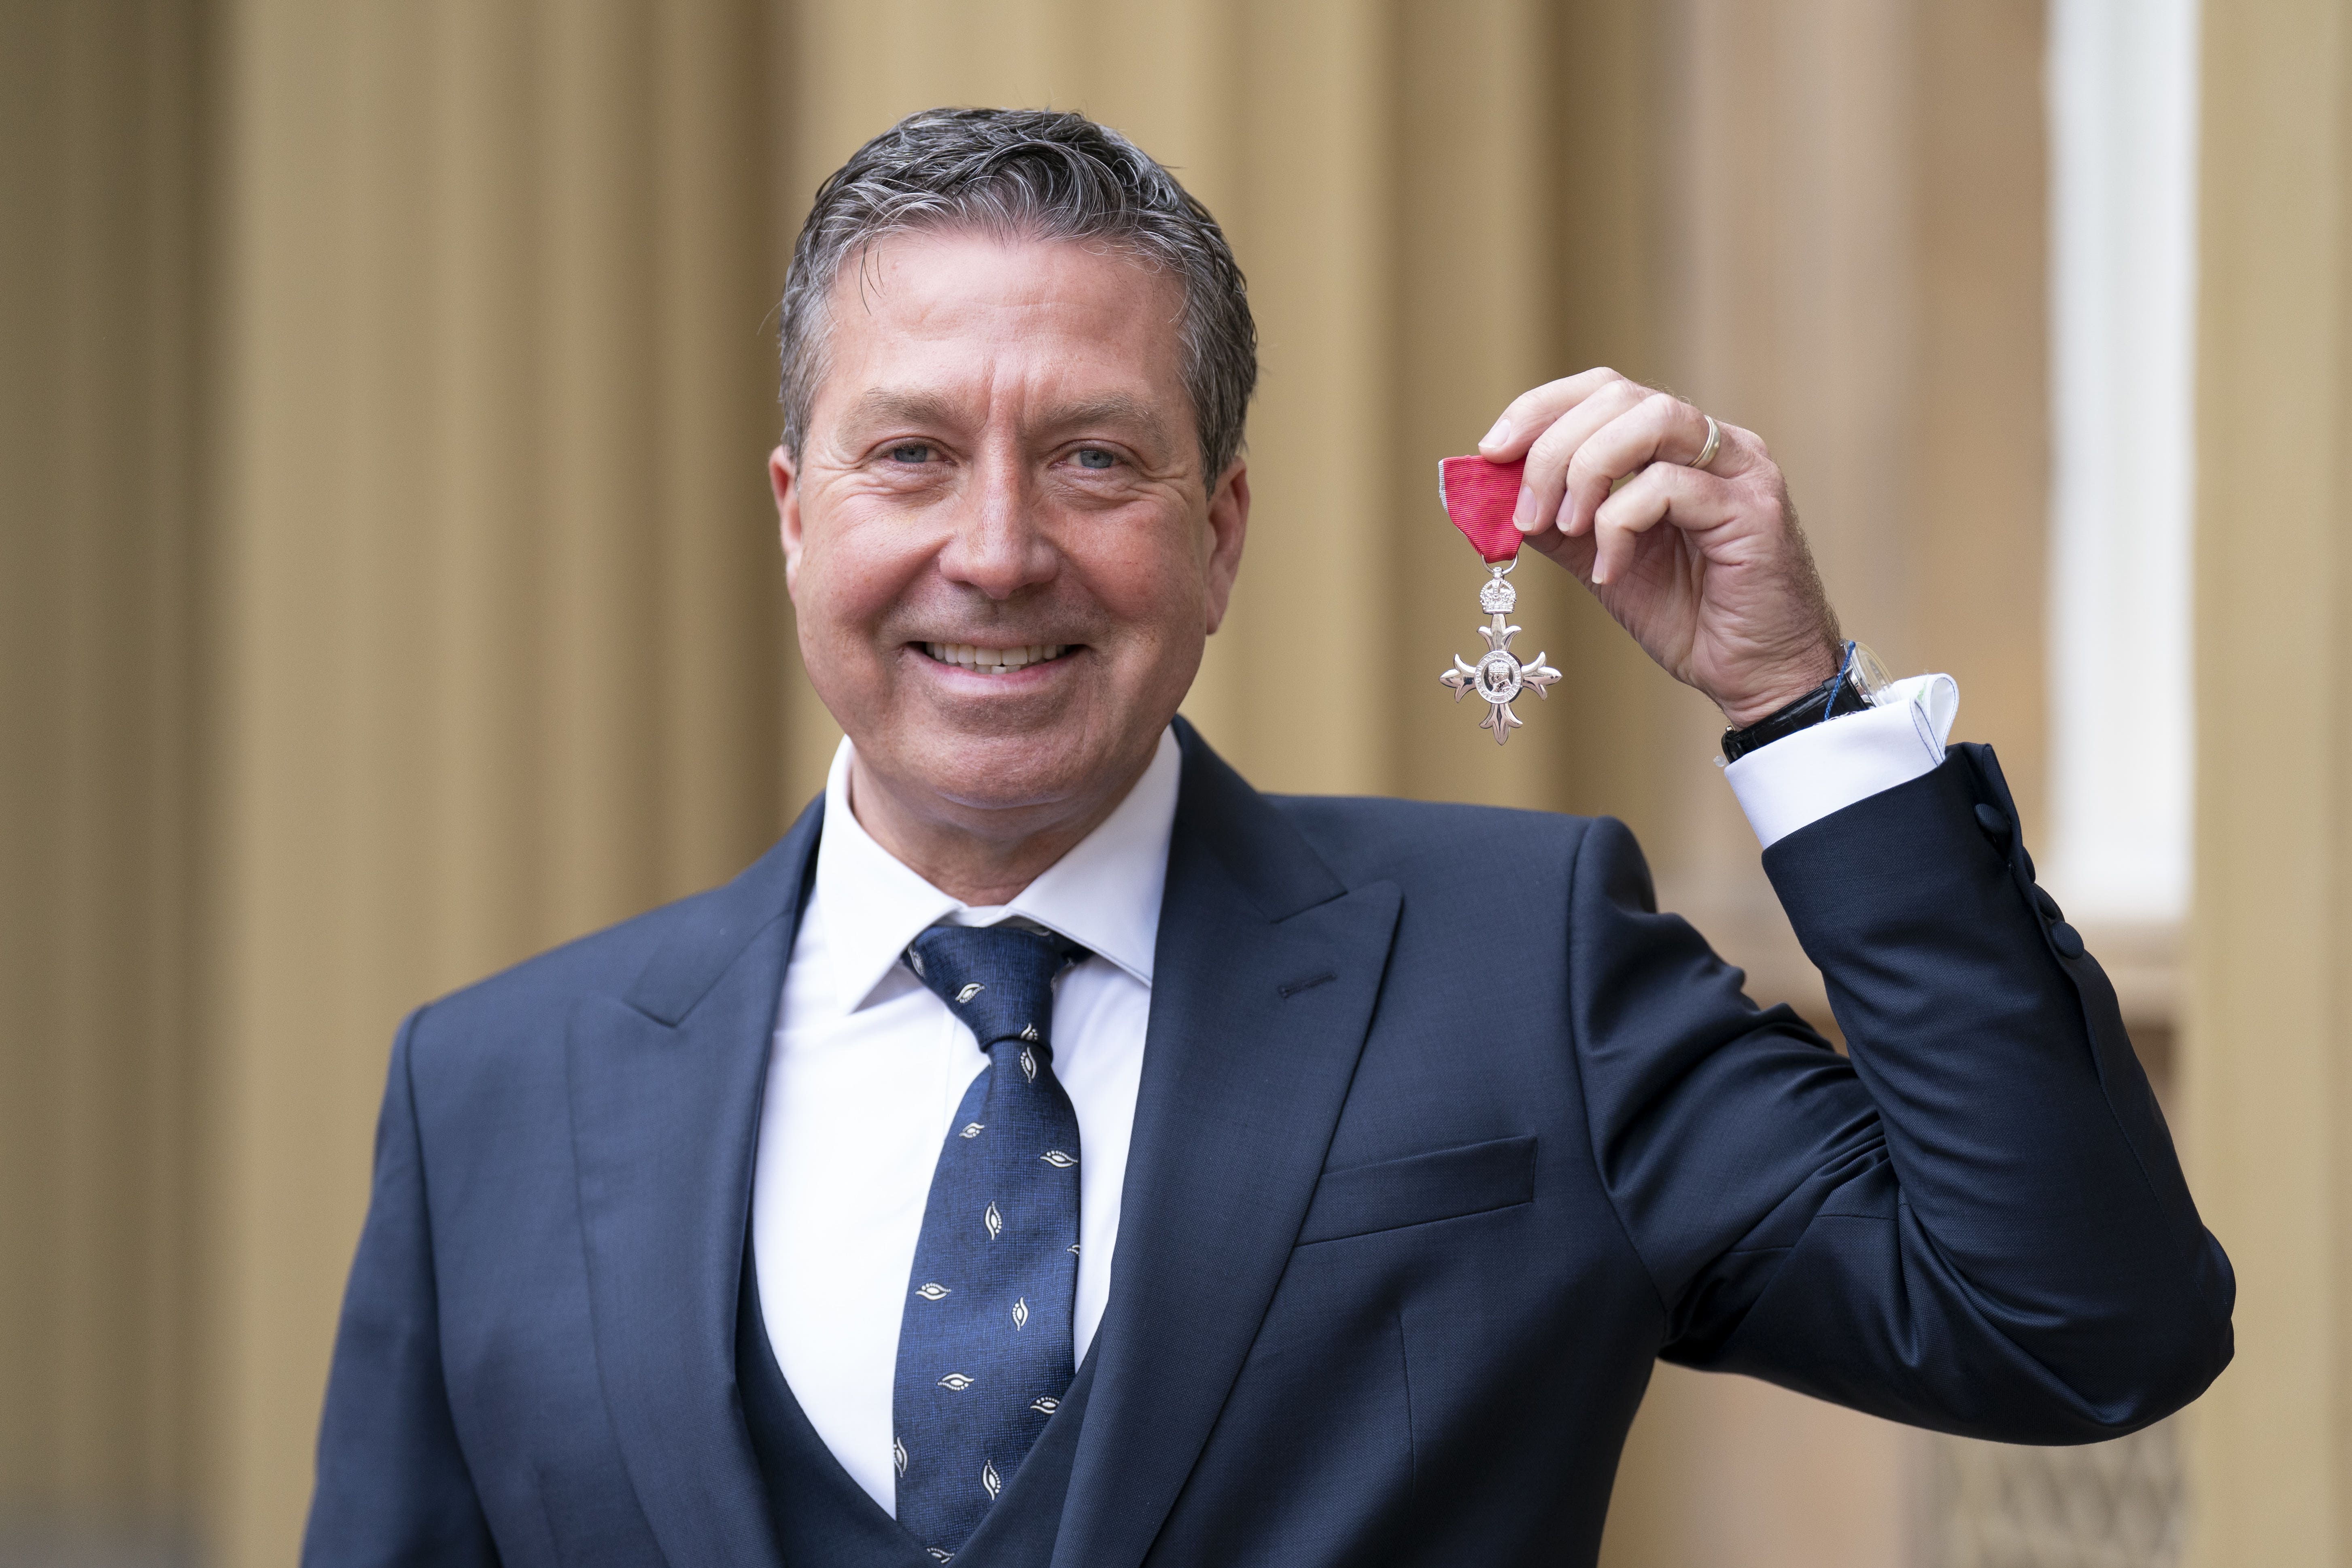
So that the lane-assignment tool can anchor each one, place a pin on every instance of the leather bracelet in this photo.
(1840, 694)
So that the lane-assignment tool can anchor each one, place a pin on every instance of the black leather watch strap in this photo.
(1837, 695)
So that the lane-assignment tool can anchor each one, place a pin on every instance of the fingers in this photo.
(1532, 413)
(1542, 486)
(1586, 434)
(1662, 493)
(1659, 430)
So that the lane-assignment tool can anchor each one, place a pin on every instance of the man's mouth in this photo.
(993, 660)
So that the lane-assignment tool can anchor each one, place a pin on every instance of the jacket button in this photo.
(1995, 825)
(2066, 940)
(2048, 906)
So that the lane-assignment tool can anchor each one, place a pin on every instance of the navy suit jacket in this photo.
(1444, 1134)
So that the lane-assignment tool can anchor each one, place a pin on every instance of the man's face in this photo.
(1003, 548)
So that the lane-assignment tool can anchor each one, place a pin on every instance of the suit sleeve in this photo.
(1978, 1222)
(393, 1487)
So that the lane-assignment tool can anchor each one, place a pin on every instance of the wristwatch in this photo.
(1852, 688)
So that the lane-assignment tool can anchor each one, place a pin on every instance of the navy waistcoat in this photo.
(822, 1516)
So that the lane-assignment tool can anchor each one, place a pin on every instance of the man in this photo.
(1054, 1151)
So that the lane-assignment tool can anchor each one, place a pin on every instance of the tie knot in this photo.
(997, 980)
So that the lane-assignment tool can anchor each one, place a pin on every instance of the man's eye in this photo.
(911, 452)
(1095, 457)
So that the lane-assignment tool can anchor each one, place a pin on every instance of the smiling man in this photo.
(1053, 1150)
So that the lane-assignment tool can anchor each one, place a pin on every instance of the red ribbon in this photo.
(1479, 497)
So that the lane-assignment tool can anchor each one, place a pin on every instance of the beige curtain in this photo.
(101, 792)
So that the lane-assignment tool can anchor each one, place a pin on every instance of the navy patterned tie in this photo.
(984, 1348)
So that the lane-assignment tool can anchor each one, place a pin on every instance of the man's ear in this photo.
(781, 480)
(1229, 507)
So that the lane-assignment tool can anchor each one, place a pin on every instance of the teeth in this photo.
(992, 660)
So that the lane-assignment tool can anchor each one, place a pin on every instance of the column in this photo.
(2270, 1101)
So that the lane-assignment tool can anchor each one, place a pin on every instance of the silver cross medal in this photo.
(1499, 677)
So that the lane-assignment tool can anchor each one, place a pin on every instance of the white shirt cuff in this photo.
(1800, 779)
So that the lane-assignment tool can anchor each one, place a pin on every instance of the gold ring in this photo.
(1714, 443)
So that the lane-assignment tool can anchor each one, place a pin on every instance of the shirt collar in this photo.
(1104, 894)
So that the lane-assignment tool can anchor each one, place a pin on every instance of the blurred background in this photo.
(388, 591)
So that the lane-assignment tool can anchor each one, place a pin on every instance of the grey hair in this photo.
(1026, 174)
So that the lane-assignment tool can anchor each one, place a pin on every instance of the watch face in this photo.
(1867, 674)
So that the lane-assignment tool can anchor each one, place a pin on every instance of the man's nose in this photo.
(998, 547)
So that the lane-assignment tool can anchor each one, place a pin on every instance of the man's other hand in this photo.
(1725, 596)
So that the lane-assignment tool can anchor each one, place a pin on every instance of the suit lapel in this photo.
(664, 1092)
(1262, 990)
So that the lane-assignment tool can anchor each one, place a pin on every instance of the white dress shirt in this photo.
(868, 1069)
(867, 1066)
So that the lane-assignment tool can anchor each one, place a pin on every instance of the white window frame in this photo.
(2122, 92)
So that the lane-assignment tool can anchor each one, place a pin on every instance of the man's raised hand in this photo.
(1726, 596)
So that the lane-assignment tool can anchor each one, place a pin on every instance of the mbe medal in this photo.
(1478, 497)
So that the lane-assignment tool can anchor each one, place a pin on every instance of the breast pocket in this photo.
(1445, 1184)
